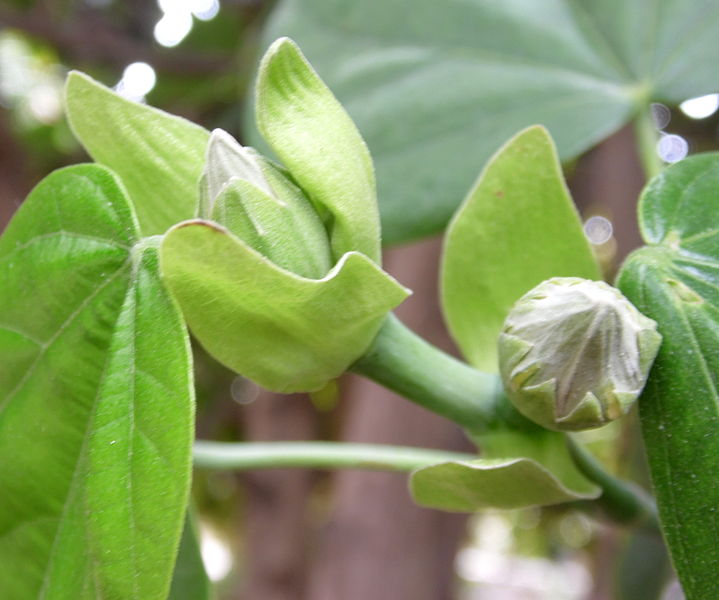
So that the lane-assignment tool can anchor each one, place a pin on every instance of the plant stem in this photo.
(647, 137)
(620, 500)
(622, 503)
(403, 362)
(328, 455)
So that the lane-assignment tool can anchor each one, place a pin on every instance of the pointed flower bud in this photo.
(280, 278)
(259, 203)
(575, 354)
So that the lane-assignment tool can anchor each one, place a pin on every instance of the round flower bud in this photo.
(575, 354)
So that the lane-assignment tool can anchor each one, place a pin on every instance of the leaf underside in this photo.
(283, 331)
(516, 471)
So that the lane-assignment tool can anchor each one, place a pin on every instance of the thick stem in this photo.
(403, 362)
(327, 455)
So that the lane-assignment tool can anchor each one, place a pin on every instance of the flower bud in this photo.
(260, 204)
(575, 354)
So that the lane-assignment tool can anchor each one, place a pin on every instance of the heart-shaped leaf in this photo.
(675, 281)
(436, 87)
(517, 471)
(158, 156)
(516, 228)
(95, 399)
(283, 331)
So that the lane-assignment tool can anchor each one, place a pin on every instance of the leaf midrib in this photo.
(478, 52)
(82, 455)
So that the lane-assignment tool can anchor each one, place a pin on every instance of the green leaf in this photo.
(516, 228)
(95, 399)
(675, 281)
(190, 581)
(158, 156)
(519, 470)
(320, 145)
(283, 331)
(436, 89)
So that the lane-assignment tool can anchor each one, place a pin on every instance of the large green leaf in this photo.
(158, 156)
(675, 281)
(95, 399)
(517, 227)
(517, 471)
(320, 145)
(285, 332)
(435, 87)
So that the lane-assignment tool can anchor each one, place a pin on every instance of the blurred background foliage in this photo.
(289, 535)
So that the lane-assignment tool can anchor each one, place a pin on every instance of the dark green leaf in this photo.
(190, 581)
(95, 399)
(436, 87)
(675, 281)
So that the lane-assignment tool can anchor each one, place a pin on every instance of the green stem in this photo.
(403, 362)
(620, 500)
(321, 455)
(647, 137)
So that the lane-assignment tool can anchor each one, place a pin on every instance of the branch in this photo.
(321, 455)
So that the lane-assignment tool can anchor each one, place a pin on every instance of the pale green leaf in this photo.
(675, 281)
(517, 471)
(320, 145)
(436, 87)
(158, 156)
(281, 330)
(516, 228)
(95, 399)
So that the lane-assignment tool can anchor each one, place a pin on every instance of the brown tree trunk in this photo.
(276, 535)
(377, 543)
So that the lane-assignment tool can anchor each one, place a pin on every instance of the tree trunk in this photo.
(377, 544)
(276, 535)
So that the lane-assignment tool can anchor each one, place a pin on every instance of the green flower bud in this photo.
(280, 278)
(259, 203)
(575, 354)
